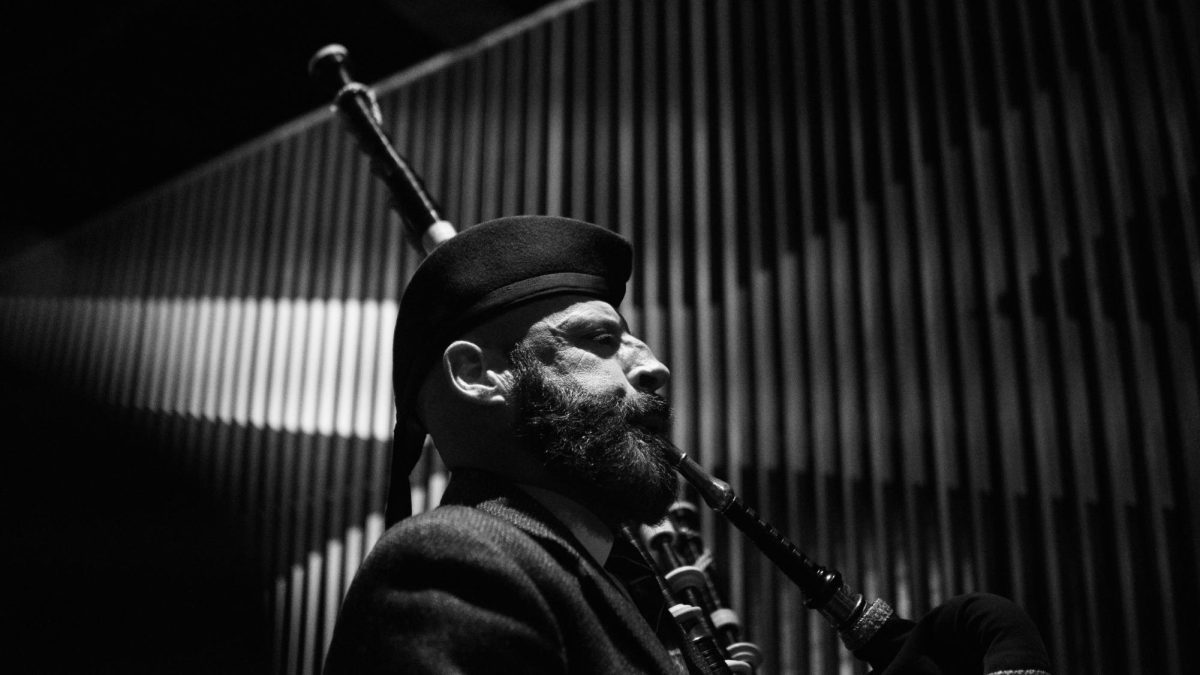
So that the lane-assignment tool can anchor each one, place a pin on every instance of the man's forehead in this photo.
(583, 310)
(554, 313)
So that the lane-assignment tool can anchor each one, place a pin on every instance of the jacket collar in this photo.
(595, 537)
(501, 498)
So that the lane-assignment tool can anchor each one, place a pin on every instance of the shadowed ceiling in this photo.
(106, 100)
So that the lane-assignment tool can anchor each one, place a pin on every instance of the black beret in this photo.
(489, 269)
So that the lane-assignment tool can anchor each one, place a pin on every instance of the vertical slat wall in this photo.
(927, 274)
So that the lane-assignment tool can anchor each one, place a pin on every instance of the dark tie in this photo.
(628, 564)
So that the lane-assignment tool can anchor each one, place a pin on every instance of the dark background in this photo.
(105, 100)
(114, 563)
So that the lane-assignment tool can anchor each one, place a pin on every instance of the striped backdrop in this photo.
(927, 275)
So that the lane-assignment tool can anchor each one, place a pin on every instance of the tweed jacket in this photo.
(489, 582)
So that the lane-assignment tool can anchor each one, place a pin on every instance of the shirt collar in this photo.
(596, 537)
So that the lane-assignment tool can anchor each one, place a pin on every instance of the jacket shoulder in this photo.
(448, 591)
(452, 533)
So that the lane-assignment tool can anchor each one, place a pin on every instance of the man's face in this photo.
(584, 395)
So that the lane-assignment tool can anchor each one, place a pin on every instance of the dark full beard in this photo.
(592, 443)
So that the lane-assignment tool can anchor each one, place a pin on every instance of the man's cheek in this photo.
(599, 382)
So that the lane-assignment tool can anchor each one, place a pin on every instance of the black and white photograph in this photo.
(691, 337)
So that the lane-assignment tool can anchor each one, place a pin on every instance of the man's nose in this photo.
(646, 373)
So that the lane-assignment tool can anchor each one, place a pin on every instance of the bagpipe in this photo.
(974, 633)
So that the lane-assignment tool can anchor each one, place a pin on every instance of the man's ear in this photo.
(467, 368)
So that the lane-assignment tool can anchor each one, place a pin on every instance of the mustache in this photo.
(649, 411)
(570, 408)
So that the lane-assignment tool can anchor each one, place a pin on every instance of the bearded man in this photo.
(511, 354)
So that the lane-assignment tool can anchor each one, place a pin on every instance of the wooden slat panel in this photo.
(580, 35)
(623, 198)
(1112, 203)
(909, 455)
(1149, 295)
(219, 355)
(453, 163)
(995, 289)
(1178, 248)
(702, 157)
(555, 125)
(876, 363)
(533, 172)
(234, 340)
(514, 52)
(183, 332)
(134, 329)
(729, 349)
(645, 224)
(323, 356)
(845, 234)
(679, 335)
(784, 439)
(602, 63)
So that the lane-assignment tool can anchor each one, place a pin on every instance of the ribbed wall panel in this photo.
(927, 275)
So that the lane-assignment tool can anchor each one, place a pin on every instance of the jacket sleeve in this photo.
(439, 598)
(972, 633)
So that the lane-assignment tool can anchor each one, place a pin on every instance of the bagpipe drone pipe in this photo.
(974, 633)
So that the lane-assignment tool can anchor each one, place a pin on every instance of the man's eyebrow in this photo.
(587, 321)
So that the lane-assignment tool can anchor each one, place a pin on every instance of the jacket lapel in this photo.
(504, 500)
